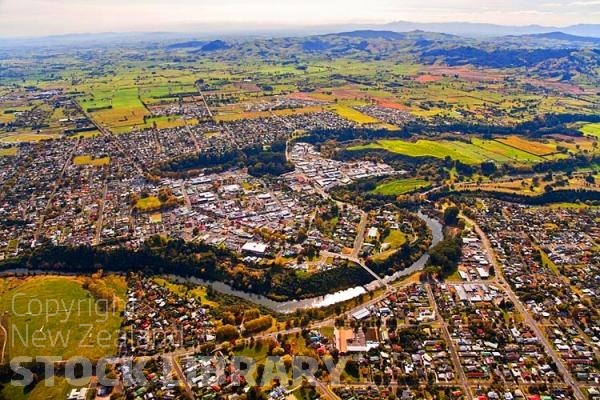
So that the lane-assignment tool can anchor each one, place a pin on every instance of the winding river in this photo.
(288, 307)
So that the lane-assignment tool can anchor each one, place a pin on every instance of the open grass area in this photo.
(9, 151)
(400, 186)
(526, 186)
(60, 390)
(394, 240)
(29, 136)
(475, 152)
(148, 203)
(89, 160)
(424, 148)
(56, 316)
(591, 130)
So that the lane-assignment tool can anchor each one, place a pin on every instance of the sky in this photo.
(47, 17)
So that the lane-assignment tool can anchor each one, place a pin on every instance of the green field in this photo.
(476, 152)
(162, 122)
(127, 108)
(395, 239)
(55, 332)
(60, 390)
(591, 130)
(400, 186)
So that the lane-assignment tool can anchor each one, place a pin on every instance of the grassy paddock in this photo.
(591, 130)
(56, 316)
(400, 186)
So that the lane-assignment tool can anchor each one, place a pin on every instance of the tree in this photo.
(451, 215)
(227, 332)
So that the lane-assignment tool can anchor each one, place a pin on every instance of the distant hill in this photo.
(372, 34)
(565, 37)
(479, 29)
(186, 45)
(497, 58)
(215, 45)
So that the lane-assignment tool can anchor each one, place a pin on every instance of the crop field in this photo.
(502, 153)
(89, 160)
(400, 186)
(353, 115)
(591, 130)
(6, 118)
(529, 146)
(61, 313)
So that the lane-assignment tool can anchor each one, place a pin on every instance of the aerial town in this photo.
(407, 214)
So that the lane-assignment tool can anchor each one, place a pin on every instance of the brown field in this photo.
(465, 73)
(391, 104)
(303, 96)
(247, 86)
(571, 142)
(530, 146)
(428, 78)
(561, 86)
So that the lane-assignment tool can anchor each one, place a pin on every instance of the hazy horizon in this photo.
(22, 18)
